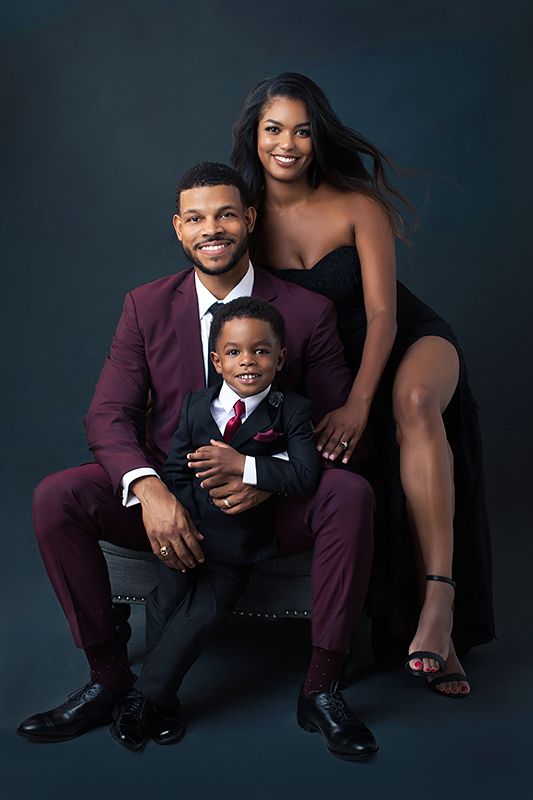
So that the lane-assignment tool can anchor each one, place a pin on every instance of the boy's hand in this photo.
(217, 460)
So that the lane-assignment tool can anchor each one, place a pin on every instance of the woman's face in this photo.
(284, 143)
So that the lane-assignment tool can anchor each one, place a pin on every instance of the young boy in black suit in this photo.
(257, 422)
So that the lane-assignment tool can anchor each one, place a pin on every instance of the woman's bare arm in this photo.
(374, 240)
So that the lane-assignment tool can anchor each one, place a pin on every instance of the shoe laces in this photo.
(133, 706)
(337, 703)
(77, 693)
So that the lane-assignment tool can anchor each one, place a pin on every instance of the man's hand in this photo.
(216, 460)
(233, 496)
(168, 524)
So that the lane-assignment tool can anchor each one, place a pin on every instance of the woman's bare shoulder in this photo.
(355, 203)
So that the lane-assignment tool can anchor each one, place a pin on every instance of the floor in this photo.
(242, 739)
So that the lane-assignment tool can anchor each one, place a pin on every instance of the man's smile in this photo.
(214, 247)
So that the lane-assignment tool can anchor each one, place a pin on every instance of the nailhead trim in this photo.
(261, 615)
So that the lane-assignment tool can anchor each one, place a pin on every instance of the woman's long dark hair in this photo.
(337, 150)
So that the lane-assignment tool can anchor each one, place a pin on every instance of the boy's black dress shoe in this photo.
(136, 719)
(328, 713)
(168, 727)
(83, 710)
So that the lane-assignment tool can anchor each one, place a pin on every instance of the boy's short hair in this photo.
(247, 308)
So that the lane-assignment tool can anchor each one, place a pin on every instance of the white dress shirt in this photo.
(205, 301)
(222, 411)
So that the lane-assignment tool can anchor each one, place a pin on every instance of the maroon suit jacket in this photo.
(156, 359)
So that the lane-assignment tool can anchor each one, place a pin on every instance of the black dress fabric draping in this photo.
(393, 598)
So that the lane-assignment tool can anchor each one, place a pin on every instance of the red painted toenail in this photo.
(418, 664)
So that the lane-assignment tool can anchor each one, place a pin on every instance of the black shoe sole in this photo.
(309, 727)
(44, 739)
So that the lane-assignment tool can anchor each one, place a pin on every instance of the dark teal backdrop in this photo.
(104, 104)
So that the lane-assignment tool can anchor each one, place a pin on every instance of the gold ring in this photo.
(345, 445)
(227, 503)
(164, 551)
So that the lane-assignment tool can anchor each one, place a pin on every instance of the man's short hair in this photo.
(212, 173)
(247, 308)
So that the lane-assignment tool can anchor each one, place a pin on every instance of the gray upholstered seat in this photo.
(279, 587)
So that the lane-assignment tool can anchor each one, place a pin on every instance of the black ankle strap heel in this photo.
(420, 654)
(441, 578)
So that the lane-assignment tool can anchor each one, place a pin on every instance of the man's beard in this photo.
(238, 254)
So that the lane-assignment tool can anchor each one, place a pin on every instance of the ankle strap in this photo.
(441, 578)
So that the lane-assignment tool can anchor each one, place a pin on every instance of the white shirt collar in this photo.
(206, 299)
(227, 399)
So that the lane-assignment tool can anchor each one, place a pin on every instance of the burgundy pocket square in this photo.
(267, 436)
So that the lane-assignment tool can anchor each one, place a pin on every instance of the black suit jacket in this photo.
(283, 421)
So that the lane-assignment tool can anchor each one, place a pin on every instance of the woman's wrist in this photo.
(356, 399)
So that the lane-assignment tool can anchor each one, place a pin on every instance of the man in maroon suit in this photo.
(159, 354)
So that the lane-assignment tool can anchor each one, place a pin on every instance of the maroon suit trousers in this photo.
(76, 508)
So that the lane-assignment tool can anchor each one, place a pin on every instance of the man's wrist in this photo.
(145, 486)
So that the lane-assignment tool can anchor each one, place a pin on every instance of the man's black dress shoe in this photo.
(83, 710)
(328, 713)
(168, 727)
(137, 719)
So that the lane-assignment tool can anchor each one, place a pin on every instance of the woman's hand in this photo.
(345, 424)
(216, 460)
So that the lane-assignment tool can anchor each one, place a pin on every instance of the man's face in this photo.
(213, 227)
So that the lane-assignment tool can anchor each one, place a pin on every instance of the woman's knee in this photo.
(416, 406)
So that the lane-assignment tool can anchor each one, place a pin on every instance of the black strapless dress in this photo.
(392, 599)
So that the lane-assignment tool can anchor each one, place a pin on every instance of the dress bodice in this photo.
(338, 276)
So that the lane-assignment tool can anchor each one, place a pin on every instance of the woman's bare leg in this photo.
(424, 385)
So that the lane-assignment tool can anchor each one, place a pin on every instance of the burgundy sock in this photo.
(109, 665)
(325, 668)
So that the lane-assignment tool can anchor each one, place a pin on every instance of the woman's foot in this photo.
(434, 628)
(456, 686)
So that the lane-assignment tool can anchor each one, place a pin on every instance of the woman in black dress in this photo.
(328, 221)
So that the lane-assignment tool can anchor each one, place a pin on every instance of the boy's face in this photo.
(248, 355)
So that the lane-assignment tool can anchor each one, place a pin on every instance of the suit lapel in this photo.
(264, 285)
(203, 416)
(187, 324)
(261, 419)
(265, 288)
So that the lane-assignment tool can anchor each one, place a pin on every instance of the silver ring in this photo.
(227, 503)
(164, 551)
(345, 445)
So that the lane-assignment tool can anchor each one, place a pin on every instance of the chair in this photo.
(279, 588)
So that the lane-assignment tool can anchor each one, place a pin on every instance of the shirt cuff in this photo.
(128, 498)
(249, 474)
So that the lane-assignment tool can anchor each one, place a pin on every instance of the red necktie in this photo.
(233, 424)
